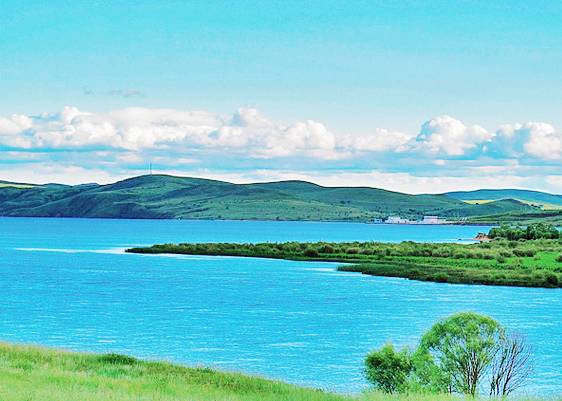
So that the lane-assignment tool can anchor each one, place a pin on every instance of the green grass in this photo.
(29, 373)
(510, 263)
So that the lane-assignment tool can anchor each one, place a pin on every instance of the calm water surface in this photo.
(66, 283)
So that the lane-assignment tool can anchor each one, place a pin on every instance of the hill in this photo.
(163, 196)
(7, 184)
(541, 199)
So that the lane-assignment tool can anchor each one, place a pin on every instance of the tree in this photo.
(461, 348)
(542, 230)
(511, 367)
(462, 354)
(388, 369)
(531, 232)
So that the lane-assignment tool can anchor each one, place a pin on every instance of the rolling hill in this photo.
(4, 184)
(163, 196)
(541, 199)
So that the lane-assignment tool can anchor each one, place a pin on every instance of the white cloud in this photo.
(445, 153)
(135, 129)
(249, 133)
(11, 131)
(382, 140)
(448, 136)
(544, 142)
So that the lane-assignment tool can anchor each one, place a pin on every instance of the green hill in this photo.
(163, 196)
(542, 199)
(8, 184)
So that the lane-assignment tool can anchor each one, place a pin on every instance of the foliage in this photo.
(462, 347)
(463, 354)
(388, 369)
(499, 262)
(531, 232)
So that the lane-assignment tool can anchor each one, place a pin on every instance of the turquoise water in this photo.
(66, 283)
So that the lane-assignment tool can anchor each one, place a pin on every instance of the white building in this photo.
(397, 220)
(433, 220)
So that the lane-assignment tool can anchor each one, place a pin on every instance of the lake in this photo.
(67, 283)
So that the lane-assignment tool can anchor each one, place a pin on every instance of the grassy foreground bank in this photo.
(30, 373)
(536, 263)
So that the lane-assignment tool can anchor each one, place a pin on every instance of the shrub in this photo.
(326, 249)
(310, 253)
(388, 369)
(531, 232)
(552, 279)
(441, 278)
(542, 230)
(524, 252)
(559, 258)
(117, 359)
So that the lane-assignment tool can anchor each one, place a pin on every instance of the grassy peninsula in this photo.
(29, 373)
(524, 263)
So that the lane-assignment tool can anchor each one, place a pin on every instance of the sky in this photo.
(414, 96)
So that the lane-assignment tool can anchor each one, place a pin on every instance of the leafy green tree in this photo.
(457, 352)
(388, 369)
(531, 232)
(542, 230)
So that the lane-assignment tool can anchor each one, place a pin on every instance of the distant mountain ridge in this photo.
(164, 196)
(542, 199)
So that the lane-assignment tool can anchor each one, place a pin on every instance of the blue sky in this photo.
(419, 96)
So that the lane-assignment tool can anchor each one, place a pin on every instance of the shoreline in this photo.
(250, 220)
(63, 373)
(60, 374)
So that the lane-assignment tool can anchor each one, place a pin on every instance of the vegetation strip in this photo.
(522, 262)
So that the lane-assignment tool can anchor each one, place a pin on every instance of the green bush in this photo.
(310, 253)
(325, 248)
(388, 369)
(524, 252)
(531, 232)
(442, 277)
(552, 279)
(117, 359)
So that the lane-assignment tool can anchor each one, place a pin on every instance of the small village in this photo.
(426, 220)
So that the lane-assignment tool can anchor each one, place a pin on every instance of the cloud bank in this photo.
(122, 142)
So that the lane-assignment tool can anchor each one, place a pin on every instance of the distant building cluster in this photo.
(400, 220)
